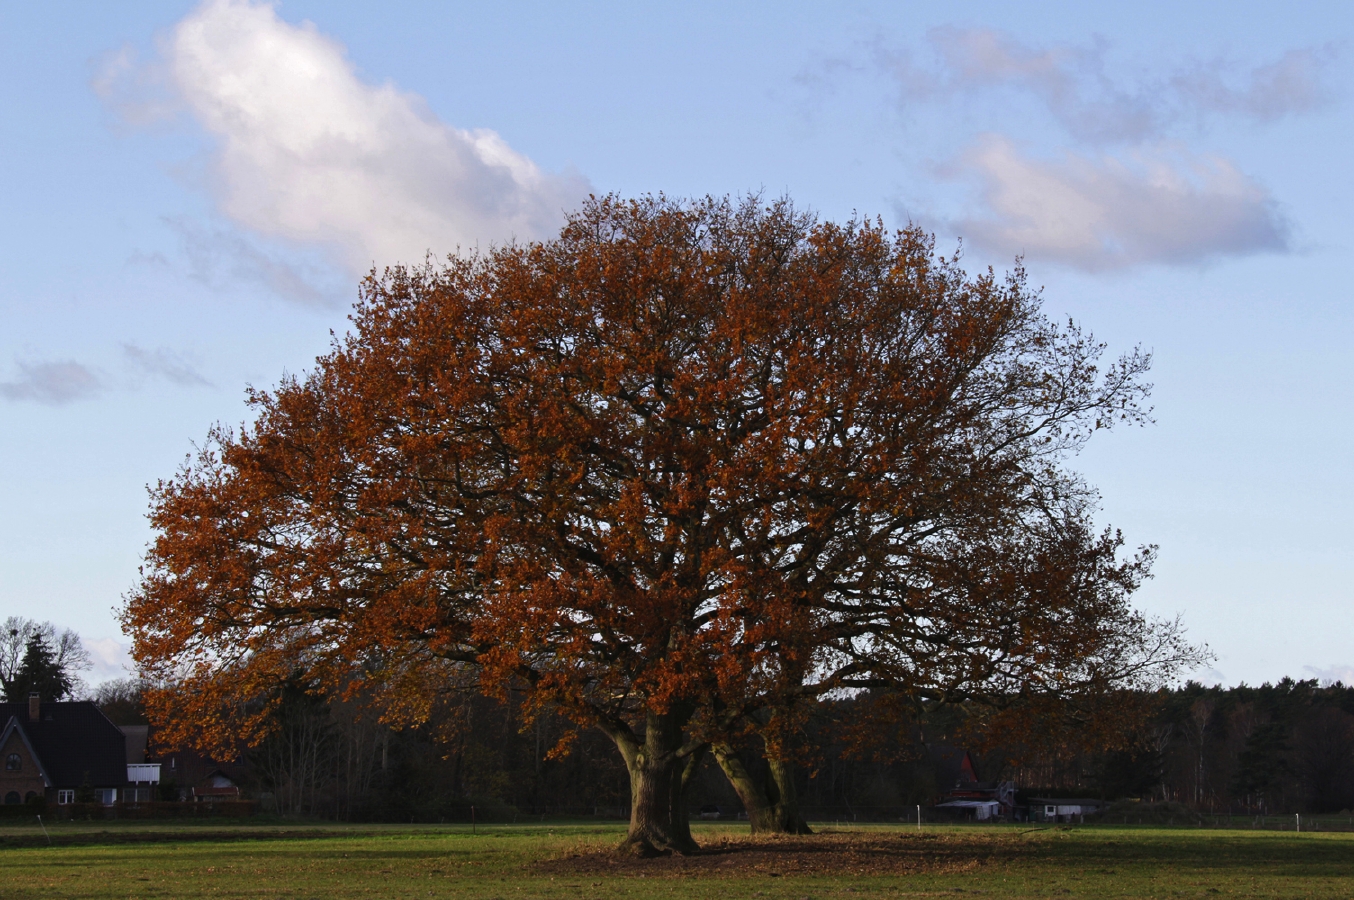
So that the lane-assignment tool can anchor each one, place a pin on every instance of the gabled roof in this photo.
(216, 776)
(13, 727)
(954, 766)
(75, 742)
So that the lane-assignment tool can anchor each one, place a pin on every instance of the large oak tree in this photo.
(673, 473)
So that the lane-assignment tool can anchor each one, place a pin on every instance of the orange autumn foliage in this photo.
(682, 464)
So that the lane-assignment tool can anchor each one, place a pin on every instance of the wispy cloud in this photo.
(51, 383)
(163, 363)
(1075, 84)
(137, 92)
(1210, 677)
(1105, 212)
(1332, 674)
(57, 383)
(307, 151)
(1069, 81)
(1294, 83)
(222, 257)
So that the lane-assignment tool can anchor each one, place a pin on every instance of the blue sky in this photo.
(193, 190)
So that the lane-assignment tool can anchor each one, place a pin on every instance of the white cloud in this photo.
(308, 152)
(1108, 212)
(51, 383)
(163, 363)
(111, 659)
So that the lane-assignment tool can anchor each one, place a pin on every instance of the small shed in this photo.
(216, 786)
(1063, 809)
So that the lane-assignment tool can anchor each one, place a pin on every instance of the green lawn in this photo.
(214, 860)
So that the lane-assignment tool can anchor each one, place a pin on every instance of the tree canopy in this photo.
(673, 473)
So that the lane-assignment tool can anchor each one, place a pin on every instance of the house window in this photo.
(64, 797)
(13, 798)
(13, 762)
(108, 796)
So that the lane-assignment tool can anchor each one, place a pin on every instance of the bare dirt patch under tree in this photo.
(843, 853)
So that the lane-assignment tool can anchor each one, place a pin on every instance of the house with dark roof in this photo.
(61, 752)
(191, 775)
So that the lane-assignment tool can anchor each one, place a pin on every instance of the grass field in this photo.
(189, 861)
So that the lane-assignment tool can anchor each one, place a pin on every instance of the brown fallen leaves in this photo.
(828, 853)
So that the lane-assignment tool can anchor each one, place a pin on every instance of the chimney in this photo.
(34, 706)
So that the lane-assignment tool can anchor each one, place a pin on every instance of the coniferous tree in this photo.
(41, 672)
(63, 649)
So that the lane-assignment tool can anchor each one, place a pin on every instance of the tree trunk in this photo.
(786, 797)
(772, 803)
(660, 768)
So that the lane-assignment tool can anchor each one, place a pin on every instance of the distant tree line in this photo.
(1281, 748)
(1274, 749)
